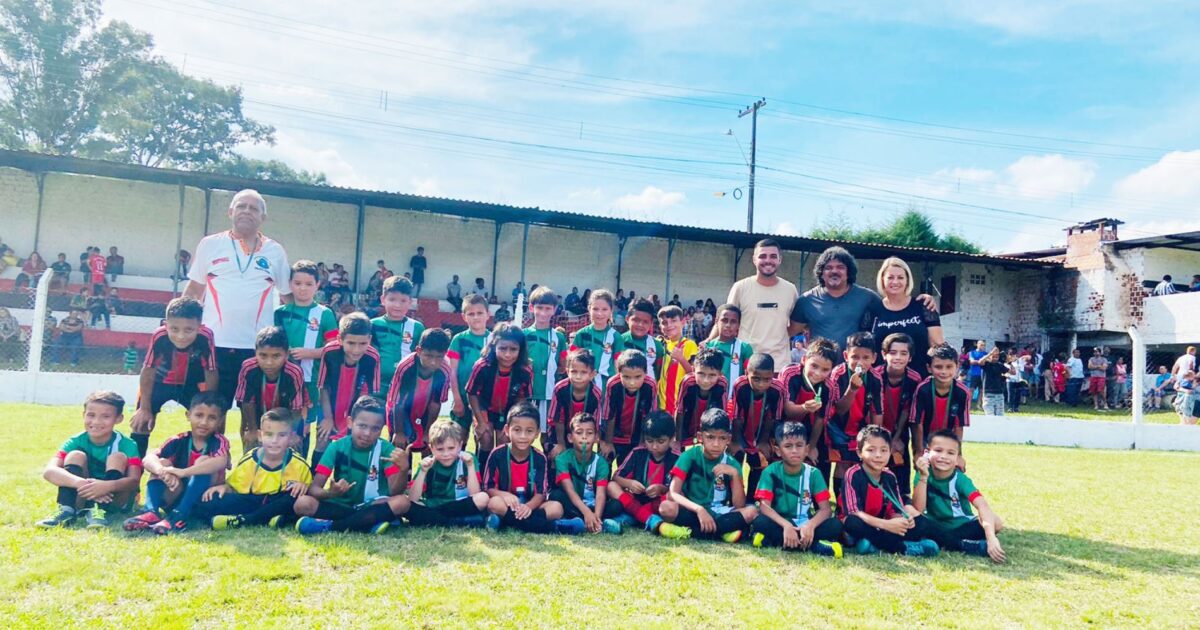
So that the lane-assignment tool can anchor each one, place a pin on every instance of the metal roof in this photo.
(38, 162)
(1181, 240)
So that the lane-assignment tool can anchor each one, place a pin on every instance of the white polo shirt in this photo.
(240, 291)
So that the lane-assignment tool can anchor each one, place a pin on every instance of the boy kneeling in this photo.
(939, 488)
(359, 498)
(706, 485)
(446, 489)
(793, 500)
(874, 513)
(97, 470)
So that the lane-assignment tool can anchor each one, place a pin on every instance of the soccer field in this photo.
(1095, 537)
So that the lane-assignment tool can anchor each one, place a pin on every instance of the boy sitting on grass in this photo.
(263, 486)
(640, 485)
(446, 489)
(706, 495)
(875, 516)
(515, 478)
(793, 500)
(366, 491)
(183, 468)
(582, 477)
(96, 470)
(180, 363)
(945, 495)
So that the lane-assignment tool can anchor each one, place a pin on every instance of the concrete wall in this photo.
(18, 206)
(1171, 319)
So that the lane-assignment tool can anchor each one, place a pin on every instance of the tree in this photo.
(168, 118)
(273, 170)
(58, 69)
(913, 228)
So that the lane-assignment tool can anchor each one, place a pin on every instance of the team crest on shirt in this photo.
(407, 337)
(590, 481)
(373, 473)
(314, 323)
(460, 481)
(954, 503)
(719, 483)
(262, 263)
(553, 343)
(806, 499)
(608, 348)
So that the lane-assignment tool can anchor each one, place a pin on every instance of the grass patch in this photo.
(1081, 550)
(1085, 412)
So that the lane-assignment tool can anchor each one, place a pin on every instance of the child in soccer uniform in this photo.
(180, 363)
(678, 360)
(793, 500)
(547, 356)
(573, 395)
(184, 468)
(501, 378)
(515, 478)
(941, 402)
(736, 351)
(945, 495)
(875, 516)
(447, 489)
(269, 381)
(605, 342)
(707, 498)
(705, 388)
(465, 349)
(854, 402)
(394, 334)
(899, 382)
(756, 406)
(96, 470)
(629, 397)
(263, 486)
(309, 326)
(349, 369)
(357, 485)
(130, 358)
(640, 484)
(419, 387)
(581, 477)
(807, 386)
(640, 336)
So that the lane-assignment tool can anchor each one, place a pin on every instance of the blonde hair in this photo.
(888, 264)
(443, 430)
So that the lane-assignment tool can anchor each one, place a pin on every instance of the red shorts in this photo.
(1096, 384)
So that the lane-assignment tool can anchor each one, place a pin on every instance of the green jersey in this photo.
(368, 469)
(948, 501)
(466, 347)
(793, 496)
(737, 354)
(307, 327)
(547, 356)
(701, 485)
(589, 476)
(394, 339)
(605, 346)
(97, 454)
(447, 484)
(652, 347)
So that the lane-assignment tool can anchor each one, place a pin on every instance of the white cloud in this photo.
(428, 186)
(300, 154)
(786, 228)
(651, 200)
(1049, 176)
(1173, 179)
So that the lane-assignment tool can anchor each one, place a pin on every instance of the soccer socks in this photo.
(730, 522)
(68, 496)
(196, 486)
(535, 523)
(143, 443)
(362, 520)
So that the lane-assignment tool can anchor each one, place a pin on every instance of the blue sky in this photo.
(1005, 121)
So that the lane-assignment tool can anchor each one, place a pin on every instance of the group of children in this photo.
(706, 442)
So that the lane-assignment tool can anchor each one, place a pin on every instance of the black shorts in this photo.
(164, 393)
(975, 381)
(612, 509)
(229, 365)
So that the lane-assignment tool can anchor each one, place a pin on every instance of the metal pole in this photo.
(1138, 373)
(753, 111)
(37, 226)
(495, 255)
(524, 247)
(358, 242)
(37, 336)
(670, 253)
(621, 240)
(178, 241)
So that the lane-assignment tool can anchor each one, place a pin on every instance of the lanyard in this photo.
(812, 388)
(888, 495)
(762, 413)
(233, 242)
(270, 404)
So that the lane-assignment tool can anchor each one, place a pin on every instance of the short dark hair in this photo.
(791, 429)
(354, 324)
(861, 339)
(711, 358)
(715, 419)
(209, 399)
(368, 404)
(271, 337)
(642, 305)
(728, 308)
(944, 433)
(524, 409)
(278, 414)
(838, 254)
(670, 311)
(632, 358)
(1167, 277)
(434, 340)
(760, 361)
(896, 338)
(105, 397)
(543, 295)
(184, 307)
(398, 284)
(872, 431)
(943, 351)
(584, 356)
(305, 266)
(582, 417)
(658, 424)
(767, 242)
(823, 348)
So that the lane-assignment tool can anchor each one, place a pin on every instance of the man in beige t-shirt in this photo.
(766, 302)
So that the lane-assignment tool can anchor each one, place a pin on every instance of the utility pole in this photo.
(753, 111)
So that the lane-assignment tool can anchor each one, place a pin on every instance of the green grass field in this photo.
(1096, 537)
